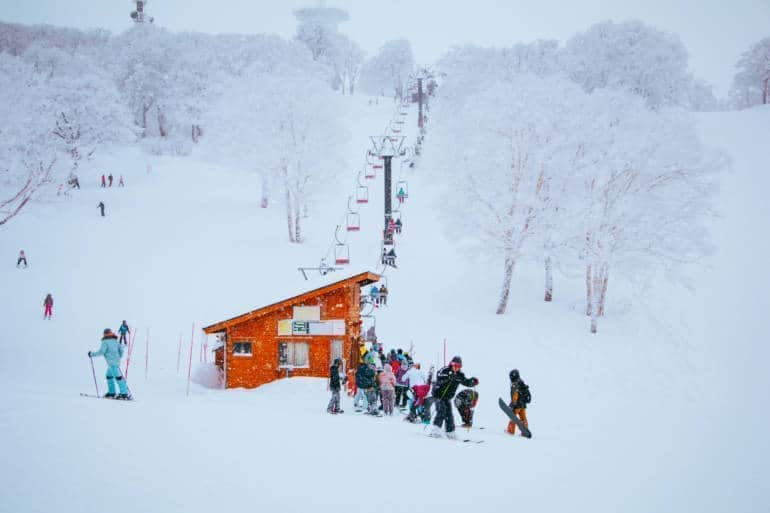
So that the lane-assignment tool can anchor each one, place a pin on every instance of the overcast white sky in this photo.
(714, 31)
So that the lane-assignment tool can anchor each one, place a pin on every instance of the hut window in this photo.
(293, 354)
(336, 351)
(242, 349)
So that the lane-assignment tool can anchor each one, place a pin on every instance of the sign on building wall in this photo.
(295, 327)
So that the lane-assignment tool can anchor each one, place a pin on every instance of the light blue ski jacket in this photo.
(111, 349)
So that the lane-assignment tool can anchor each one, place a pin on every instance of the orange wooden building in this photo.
(299, 336)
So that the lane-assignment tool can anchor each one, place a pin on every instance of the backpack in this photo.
(524, 394)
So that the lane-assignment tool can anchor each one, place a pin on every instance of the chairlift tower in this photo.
(138, 15)
(387, 147)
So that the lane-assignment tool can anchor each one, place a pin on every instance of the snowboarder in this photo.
(335, 384)
(48, 304)
(520, 397)
(22, 258)
(104, 181)
(109, 179)
(387, 389)
(384, 295)
(465, 403)
(399, 225)
(365, 382)
(123, 330)
(101, 207)
(447, 381)
(112, 351)
(120, 182)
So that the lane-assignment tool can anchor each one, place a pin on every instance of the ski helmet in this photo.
(456, 361)
(514, 375)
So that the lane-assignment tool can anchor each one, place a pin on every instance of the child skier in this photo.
(48, 304)
(447, 381)
(335, 384)
(520, 397)
(123, 330)
(465, 403)
(415, 378)
(387, 389)
(112, 352)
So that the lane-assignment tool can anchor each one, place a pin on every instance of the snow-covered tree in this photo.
(751, 85)
(346, 59)
(633, 57)
(388, 71)
(317, 29)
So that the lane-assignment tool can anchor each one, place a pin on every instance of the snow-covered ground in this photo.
(663, 410)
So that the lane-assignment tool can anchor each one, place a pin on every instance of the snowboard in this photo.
(516, 420)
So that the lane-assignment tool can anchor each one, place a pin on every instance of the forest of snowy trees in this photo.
(581, 156)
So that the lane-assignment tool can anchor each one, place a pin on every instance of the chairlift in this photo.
(377, 164)
(341, 249)
(370, 172)
(362, 194)
(354, 221)
(402, 185)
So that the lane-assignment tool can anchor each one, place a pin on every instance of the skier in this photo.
(374, 293)
(520, 397)
(401, 385)
(101, 206)
(112, 352)
(48, 304)
(109, 179)
(387, 385)
(335, 384)
(399, 225)
(73, 181)
(120, 182)
(384, 295)
(365, 382)
(415, 379)
(104, 181)
(447, 381)
(465, 403)
(22, 258)
(123, 330)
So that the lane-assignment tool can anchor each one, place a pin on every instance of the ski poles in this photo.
(94, 374)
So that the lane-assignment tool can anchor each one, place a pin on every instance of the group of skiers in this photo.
(394, 381)
(107, 181)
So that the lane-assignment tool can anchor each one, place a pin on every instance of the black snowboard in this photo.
(516, 420)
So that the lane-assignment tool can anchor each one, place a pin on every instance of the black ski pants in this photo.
(444, 414)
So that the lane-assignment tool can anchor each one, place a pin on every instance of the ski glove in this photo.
(89, 354)
(475, 381)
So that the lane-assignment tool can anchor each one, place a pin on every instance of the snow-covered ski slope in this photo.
(663, 410)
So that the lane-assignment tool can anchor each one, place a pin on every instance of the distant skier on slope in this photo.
(101, 207)
(123, 330)
(112, 351)
(22, 258)
(335, 384)
(48, 305)
(520, 397)
(447, 381)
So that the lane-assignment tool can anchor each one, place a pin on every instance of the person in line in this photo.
(417, 382)
(387, 389)
(520, 397)
(401, 385)
(335, 384)
(365, 382)
(123, 330)
(447, 381)
(48, 304)
(465, 402)
(22, 258)
(112, 351)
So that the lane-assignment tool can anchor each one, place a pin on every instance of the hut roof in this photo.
(361, 279)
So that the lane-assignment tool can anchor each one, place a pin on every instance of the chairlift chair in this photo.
(354, 221)
(362, 194)
(377, 164)
(402, 185)
(341, 254)
(370, 172)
